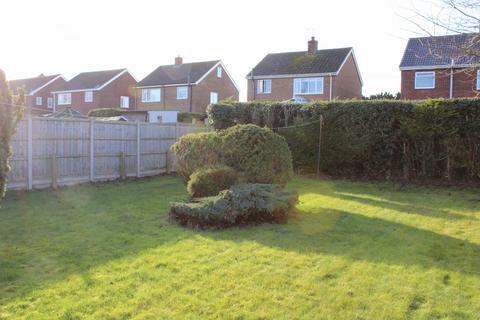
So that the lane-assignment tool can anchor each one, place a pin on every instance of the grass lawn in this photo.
(353, 251)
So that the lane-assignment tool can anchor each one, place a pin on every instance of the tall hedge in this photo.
(431, 139)
(11, 110)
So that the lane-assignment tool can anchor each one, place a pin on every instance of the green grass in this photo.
(353, 251)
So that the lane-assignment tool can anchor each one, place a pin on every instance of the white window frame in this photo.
(182, 93)
(219, 72)
(38, 101)
(88, 96)
(478, 79)
(122, 102)
(264, 86)
(147, 95)
(213, 97)
(50, 103)
(298, 86)
(64, 99)
(424, 74)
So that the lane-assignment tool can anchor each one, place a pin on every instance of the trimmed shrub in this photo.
(195, 151)
(210, 181)
(258, 154)
(407, 140)
(105, 112)
(240, 205)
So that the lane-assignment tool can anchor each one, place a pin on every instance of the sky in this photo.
(69, 37)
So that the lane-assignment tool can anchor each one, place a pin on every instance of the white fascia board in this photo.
(113, 79)
(445, 66)
(304, 75)
(354, 61)
(78, 90)
(220, 63)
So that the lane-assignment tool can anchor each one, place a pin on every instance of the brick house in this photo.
(98, 89)
(38, 90)
(310, 75)
(441, 67)
(186, 87)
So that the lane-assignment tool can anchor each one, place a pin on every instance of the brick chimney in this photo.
(178, 60)
(312, 46)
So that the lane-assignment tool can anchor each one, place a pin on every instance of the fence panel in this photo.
(70, 151)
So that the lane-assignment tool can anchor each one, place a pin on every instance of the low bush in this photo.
(105, 112)
(195, 151)
(258, 154)
(240, 205)
(210, 181)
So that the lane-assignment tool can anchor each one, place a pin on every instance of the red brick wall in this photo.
(282, 89)
(198, 95)
(464, 84)
(347, 84)
(108, 97)
(45, 93)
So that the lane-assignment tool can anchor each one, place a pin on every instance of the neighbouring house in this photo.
(186, 87)
(98, 89)
(310, 75)
(441, 67)
(38, 90)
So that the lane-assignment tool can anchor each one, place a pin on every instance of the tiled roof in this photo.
(177, 74)
(90, 80)
(68, 112)
(439, 51)
(30, 84)
(286, 63)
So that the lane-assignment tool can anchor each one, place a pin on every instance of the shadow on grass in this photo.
(46, 236)
(358, 237)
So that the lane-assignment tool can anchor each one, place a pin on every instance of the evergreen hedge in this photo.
(423, 140)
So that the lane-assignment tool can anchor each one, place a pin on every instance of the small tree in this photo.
(11, 110)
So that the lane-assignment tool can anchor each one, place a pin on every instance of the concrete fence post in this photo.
(92, 151)
(138, 149)
(29, 152)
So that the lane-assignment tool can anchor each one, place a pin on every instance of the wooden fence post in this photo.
(176, 131)
(54, 172)
(92, 151)
(123, 166)
(138, 148)
(29, 153)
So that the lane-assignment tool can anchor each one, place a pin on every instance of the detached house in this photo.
(186, 87)
(306, 75)
(38, 90)
(441, 67)
(98, 89)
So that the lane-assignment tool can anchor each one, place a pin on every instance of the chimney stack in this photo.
(312, 46)
(178, 60)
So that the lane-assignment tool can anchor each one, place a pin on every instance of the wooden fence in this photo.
(51, 152)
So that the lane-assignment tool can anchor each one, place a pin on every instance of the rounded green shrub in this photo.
(210, 181)
(258, 154)
(105, 112)
(194, 151)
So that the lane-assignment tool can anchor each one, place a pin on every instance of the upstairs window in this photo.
(213, 97)
(219, 72)
(88, 96)
(50, 103)
(150, 95)
(39, 101)
(308, 86)
(264, 86)
(425, 80)
(64, 98)
(124, 102)
(182, 93)
(478, 79)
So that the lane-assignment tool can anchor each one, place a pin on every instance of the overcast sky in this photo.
(69, 37)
